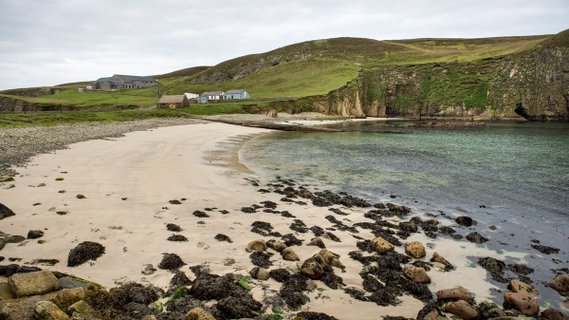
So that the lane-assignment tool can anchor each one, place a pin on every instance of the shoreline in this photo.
(189, 164)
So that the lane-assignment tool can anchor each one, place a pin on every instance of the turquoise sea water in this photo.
(514, 175)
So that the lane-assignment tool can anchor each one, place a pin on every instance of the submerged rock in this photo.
(476, 237)
(465, 221)
(545, 249)
(84, 252)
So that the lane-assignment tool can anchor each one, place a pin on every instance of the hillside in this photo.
(298, 75)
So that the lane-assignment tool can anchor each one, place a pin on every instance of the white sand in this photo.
(197, 162)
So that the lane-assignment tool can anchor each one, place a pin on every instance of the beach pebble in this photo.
(5, 212)
(416, 274)
(46, 310)
(259, 273)
(440, 259)
(415, 249)
(34, 234)
(256, 245)
(381, 245)
(462, 309)
(560, 283)
(290, 255)
(33, 283)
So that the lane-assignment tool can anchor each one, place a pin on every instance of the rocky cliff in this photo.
(532, 84)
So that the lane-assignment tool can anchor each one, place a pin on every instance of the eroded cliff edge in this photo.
(533, 84)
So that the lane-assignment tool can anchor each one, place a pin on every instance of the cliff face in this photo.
(532, 84)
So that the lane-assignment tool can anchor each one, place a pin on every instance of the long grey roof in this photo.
(127, 78)
(235, 91)
(211, 93)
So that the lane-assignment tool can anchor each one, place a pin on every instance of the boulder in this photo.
(5, 212)
(416, 274)
(83, 252)
(257, 246)
(276, 245)
(5, 291)
(455, 294)
(313, 267)
(259, 273)
(34, 234)
(66, 297)
(199, 314)
(290, 255)
(83, 308)
(476, 237)
(331, 259)
(552, 314)
(560, 283)
(415, 249)
(46, 310)
(317, 242)
(522, 287)
(522, 302)
(440, 259)
(461, 309)
(33, 283)
(381, 245)
(464, 221)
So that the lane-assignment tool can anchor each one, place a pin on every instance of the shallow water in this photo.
(513, 175)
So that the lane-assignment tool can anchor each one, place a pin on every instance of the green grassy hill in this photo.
(305, 69)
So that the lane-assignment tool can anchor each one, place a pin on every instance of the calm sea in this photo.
(514, 175)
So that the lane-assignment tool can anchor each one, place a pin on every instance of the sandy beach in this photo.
(133, 186)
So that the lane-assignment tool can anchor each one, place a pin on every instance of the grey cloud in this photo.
(55, 41)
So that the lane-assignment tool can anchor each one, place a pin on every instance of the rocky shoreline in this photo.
(308, 254)
(196, 293)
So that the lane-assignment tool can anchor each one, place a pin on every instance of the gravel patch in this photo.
(18, 145)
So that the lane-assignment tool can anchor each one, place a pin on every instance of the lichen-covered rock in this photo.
(276, 245)
(560, 283)
(462, 309)
(290, 255)
(415, 249)
(46, 310)
(381, 245)
(83, 252)
(416, 274)
(257, 246)
(33, 283)
(522, 302)
(199, 313)
(66, 297)
(259, 273)
(522, 287)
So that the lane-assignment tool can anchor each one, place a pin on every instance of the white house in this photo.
(191, 96)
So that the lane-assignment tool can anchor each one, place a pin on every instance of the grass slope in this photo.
(298, 70)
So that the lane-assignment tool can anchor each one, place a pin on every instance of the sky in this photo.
(49, 42)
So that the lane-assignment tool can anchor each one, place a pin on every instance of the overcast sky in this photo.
(48, 42)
